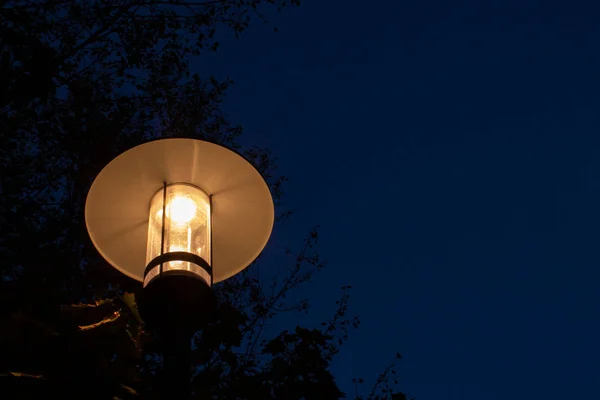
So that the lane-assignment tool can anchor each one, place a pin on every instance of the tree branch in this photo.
(21, 375)
(106, 320)
(104, 29)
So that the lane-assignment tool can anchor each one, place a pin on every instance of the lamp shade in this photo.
(179, 195)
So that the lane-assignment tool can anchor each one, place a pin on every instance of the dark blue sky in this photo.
(450, 150)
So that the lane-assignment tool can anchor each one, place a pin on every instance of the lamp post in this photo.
(178, 215)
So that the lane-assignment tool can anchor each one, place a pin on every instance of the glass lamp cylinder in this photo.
(185, 228)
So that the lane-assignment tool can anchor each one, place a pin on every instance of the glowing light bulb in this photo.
(180, 210)
(183, 210)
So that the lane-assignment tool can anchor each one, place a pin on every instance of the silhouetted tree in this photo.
(82, 81)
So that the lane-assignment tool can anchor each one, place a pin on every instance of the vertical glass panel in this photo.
(187, 227)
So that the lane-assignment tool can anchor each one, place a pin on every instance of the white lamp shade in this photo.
(118, 203)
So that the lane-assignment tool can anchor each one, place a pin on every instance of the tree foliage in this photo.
(82, 81)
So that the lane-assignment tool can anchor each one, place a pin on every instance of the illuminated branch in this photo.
(130, 390)
(106, 320)
(22, 375)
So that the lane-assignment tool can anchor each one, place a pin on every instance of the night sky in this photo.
(450, 151)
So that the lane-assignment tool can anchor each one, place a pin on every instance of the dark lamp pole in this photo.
(178, 215)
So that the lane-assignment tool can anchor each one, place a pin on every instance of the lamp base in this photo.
(176, 300)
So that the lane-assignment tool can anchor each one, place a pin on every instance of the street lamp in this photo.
(178, 215)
